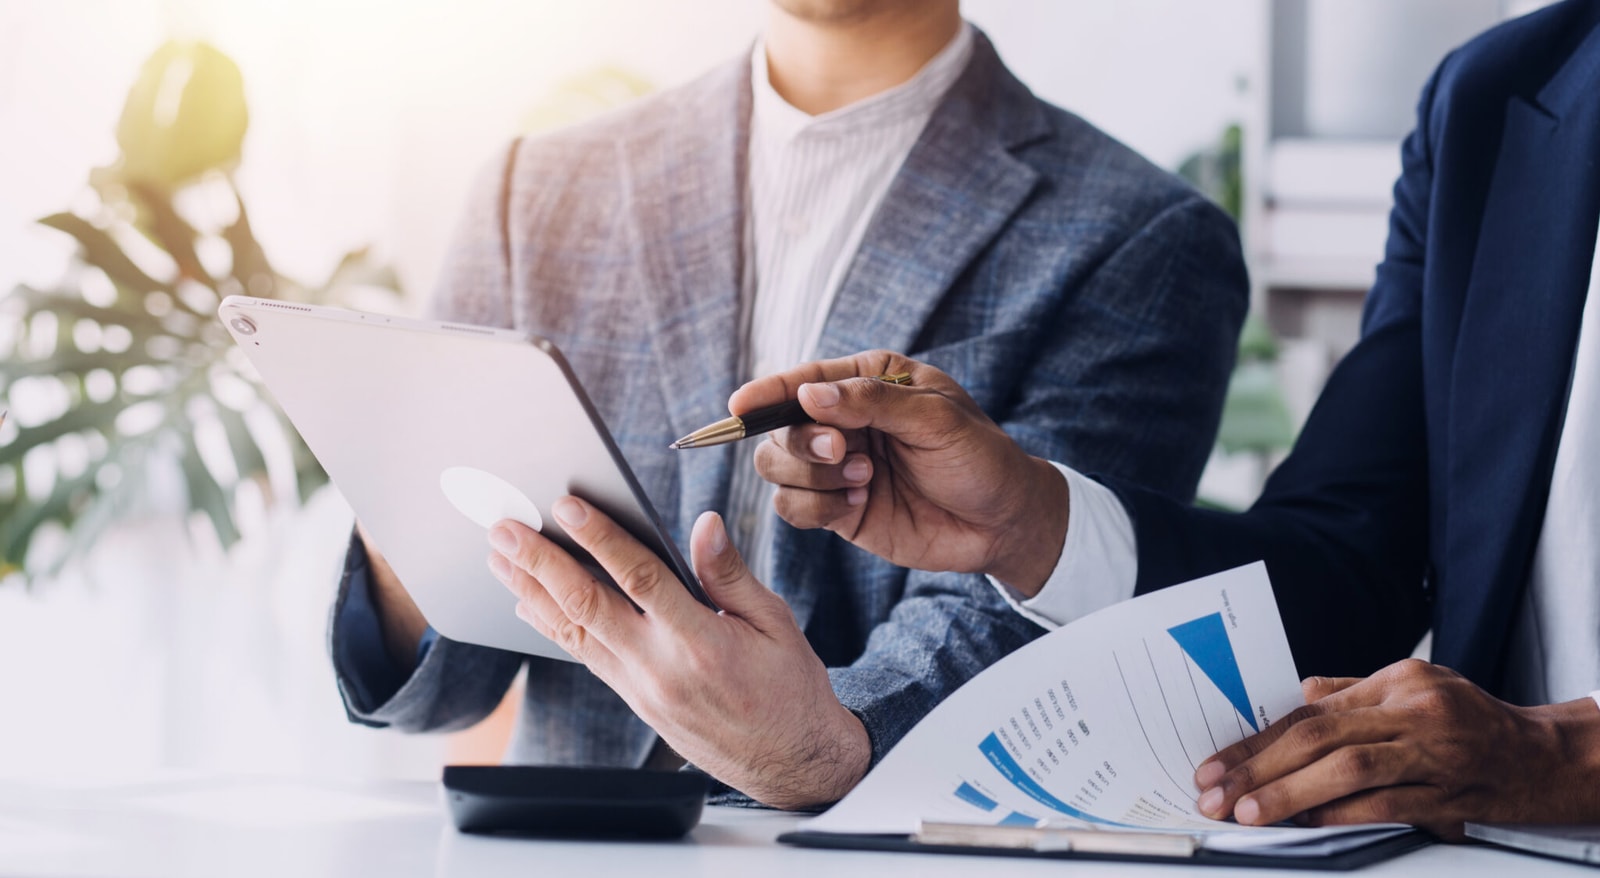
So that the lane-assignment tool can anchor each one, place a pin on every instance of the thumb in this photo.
(727, 580)
(902, 412)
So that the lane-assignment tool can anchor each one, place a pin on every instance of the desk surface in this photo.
(248, 827)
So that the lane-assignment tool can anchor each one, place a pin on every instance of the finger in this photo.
(537, 608)
(914, 415)
(1318, 688)
(806, 509)
(1336, 694)
(1341, 773)
(782, 386)
(729, 583)
(530, 565)
(1211, 771)
(778, 466)
(637, 571)
(818, 443)
(1343, 693)
(1297, 747)
(1415, 804)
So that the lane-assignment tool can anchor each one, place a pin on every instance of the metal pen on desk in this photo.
(762, 420)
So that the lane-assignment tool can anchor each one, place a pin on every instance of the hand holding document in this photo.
(1101, 725)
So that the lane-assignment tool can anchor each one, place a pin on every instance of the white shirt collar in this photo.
(775, 117)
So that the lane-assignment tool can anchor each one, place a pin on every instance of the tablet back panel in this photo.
(388, 406)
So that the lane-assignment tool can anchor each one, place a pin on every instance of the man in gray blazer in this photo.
(1089, 301)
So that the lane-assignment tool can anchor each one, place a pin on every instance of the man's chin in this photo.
(836, 12)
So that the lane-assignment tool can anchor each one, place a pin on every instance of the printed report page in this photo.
(1100, 724)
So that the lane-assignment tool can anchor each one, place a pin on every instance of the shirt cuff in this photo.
(1099, 562)
(372, 677)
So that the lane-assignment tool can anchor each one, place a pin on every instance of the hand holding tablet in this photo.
(426, 487)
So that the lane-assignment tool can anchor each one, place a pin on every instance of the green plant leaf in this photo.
(251, 269)
(205, 494)
(72, 305)
(103, 253)
(162, 149)
(247, 456)
(170, 230)
(78, 364)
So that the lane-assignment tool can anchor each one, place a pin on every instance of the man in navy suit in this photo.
(1447, 476)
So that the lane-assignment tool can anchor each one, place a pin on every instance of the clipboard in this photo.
(1165, 849)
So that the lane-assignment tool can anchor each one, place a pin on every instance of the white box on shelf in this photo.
(1303, 171)
(1326, 233)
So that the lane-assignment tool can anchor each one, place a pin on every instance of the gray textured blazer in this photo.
(1088, 300)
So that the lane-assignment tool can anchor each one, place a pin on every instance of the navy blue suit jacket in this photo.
(1417, 489)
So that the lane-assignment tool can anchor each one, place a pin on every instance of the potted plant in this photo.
(120, 369)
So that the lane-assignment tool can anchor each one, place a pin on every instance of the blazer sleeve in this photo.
(456, 684)
(1129, 377)
(1343, 523)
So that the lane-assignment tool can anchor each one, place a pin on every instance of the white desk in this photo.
(248, 827)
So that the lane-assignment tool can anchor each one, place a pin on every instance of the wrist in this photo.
(399, 619)
(1030, 546)
(1571, 793)
(838, 761)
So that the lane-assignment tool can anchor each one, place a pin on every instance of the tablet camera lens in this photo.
(243, 326)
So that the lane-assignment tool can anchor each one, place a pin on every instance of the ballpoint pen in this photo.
(762, 420)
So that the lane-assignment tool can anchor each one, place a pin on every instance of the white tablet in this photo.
(434, 431)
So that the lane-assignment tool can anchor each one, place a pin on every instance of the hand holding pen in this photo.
(911, 471)
(788, 413)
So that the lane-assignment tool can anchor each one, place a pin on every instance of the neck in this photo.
(822, 65)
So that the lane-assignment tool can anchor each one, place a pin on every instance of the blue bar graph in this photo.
(967, 793)
(1017, 818)
(1205, 640)
(1011, 771)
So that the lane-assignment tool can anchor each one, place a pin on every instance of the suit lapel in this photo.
(959, 186)
(688, 217)
(955, 192)
(1518, 336)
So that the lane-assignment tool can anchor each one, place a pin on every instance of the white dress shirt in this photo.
(814, 184)
(1555, 643)
(1555, 648)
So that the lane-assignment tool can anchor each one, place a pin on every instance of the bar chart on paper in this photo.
(1187, 696)
(1102, 724)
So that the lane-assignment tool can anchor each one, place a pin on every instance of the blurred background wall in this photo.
(160, 650)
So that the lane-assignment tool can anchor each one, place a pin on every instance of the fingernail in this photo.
(1210, 802)
(855, 496)
(524, 613)
(1247, 811)
(857, 470)
(1208, 775)
(822, 395)
(822, 446)
(500, 567)
(719, 536)
(502, 539)
(570, 512)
